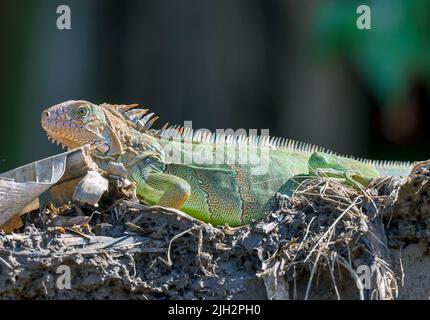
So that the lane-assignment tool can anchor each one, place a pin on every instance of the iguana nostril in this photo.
(45, 118)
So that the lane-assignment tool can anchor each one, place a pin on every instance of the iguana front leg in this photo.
(165, 190)
(157, 187)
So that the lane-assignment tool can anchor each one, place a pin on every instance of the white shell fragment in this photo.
(91, 188)
(117, 169)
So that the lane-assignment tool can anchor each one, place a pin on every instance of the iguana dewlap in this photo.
(220, 179)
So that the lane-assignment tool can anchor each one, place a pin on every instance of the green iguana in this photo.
(218, 178)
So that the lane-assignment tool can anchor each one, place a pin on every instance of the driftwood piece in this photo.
(91, 188)
(117, 169)
(77, 167)
(20, 188)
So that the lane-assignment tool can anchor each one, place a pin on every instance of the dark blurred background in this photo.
(299, 68)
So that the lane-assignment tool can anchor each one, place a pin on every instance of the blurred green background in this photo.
(299, 68)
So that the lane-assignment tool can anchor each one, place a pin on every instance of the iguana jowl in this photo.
(216, 192)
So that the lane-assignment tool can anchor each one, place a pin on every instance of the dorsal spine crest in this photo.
(142, 121)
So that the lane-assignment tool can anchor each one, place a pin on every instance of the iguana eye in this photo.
(82, 111)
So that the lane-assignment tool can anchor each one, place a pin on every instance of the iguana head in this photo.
(74, 123)
(104, 127)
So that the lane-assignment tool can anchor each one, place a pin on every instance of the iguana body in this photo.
(215, 178)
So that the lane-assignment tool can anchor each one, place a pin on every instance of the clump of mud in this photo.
(328, 241)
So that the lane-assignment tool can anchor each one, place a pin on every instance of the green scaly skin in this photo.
(223, 193)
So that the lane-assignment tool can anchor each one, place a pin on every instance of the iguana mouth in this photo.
(53, 140)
